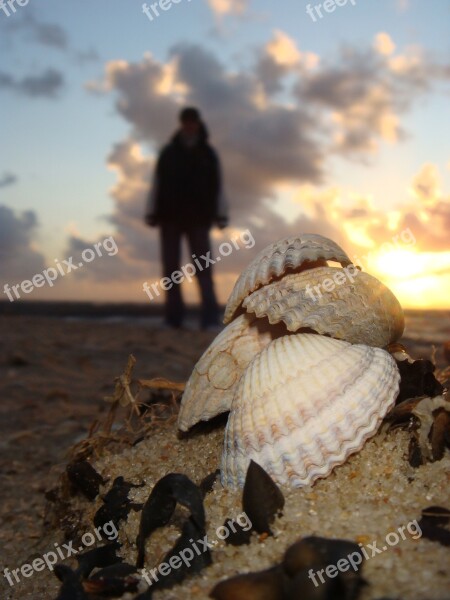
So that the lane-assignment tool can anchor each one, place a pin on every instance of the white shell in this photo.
(357, 308)
(292, 253)
(304, 404)
(210, 388)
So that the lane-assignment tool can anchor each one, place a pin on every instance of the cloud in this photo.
(137, 256)
(429, 215)
(402, 5)
(276, 125)
(368, 91)
(283, 49)
(43, 33)
(245, 135)
(290, 102)
(383, 44)
(18, 258)
(426, 184)
(49, 34)
(40, 32)
(45, 85)
(8, 179)
(228, 7)
(87, 56)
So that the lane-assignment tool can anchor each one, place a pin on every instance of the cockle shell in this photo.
(304, 404)
(358, 308)
(289, 254)
(299, 403)
(211, 385)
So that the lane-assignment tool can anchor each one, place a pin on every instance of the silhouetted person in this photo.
(186, 199)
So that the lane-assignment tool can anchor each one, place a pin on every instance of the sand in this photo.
(49, 403)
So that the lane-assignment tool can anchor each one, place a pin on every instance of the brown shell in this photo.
(356, 308)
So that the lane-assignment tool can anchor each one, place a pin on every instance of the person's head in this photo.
(190, 121)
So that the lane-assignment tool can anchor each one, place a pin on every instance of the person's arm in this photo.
(221, 217)
(152, 206)
(150, 216)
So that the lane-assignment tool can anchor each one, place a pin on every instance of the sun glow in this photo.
(402, 264)
(418, 279)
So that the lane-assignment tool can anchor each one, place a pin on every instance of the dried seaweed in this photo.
(440, 434)
(429, 422)
(140, 418)
(415, 457)
(74, 583)
(297, 576)
(161, 504)
(84, 478)
(264, 585)
(312, 551)
(207, 483)
(237, 535)
(191, 531)
(114, 581)
(116, 503)
(432, 524)
(72, 587)
(103, 556)
(125, 397)
(417, 379)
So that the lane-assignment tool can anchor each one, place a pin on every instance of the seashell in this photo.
(293, 578)
(293, 253)
(262, 500)
(299, 404)
(399, 352)
(210, 388)
(358, 308)
(304, 404)
(263, 585)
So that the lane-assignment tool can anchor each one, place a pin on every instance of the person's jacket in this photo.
(187, 187)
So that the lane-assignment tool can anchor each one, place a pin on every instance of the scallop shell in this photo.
(358, 308)
(298, 252)
(304, 404)
(211, 385)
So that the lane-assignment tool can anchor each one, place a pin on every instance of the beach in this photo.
(55, 374)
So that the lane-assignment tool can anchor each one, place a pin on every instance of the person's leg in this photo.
(171, 258)
(198, 237)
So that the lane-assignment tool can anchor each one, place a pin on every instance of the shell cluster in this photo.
(300, 366)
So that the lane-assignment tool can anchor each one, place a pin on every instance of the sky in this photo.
(335, 124)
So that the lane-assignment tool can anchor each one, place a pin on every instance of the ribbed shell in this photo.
(359, 308)
(290, 253)
(211, 385)
(304, 404)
